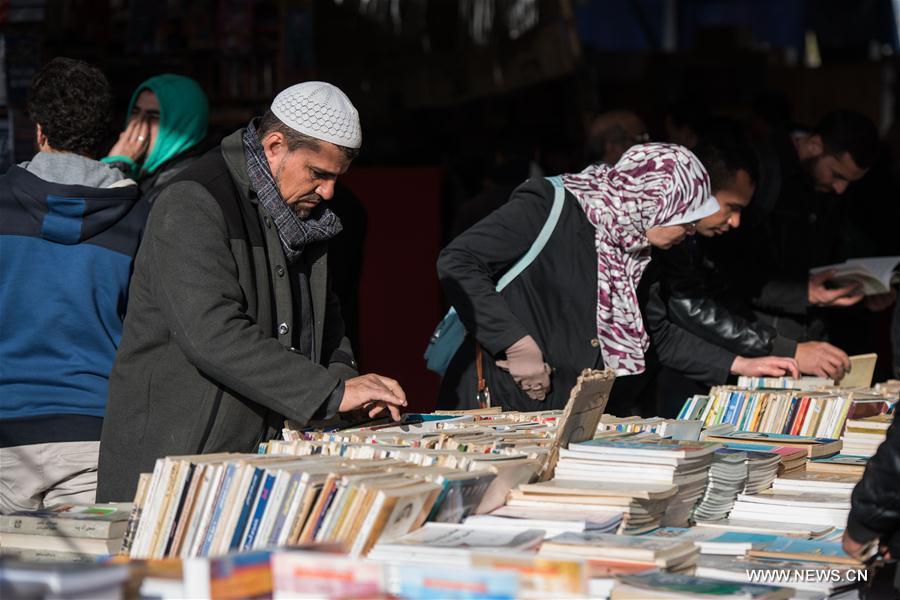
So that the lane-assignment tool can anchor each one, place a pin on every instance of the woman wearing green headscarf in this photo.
(167, 117)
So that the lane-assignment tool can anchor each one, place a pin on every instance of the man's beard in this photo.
(301, 211)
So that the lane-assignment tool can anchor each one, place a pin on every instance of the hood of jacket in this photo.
(71, 198)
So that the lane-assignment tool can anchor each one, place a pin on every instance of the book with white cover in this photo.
(60, 580)
(875, 274)
(613, 489)
(103, 521)
(648, 549)
(791, 500)
(552, 522)
(807, 481)
(452, 542)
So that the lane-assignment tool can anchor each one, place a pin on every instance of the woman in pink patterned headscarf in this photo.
(576, 305)
(652, 196)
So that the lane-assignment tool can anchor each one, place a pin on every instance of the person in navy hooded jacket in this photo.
(69, 229)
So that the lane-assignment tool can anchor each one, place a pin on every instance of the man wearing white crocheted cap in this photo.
(232, 325)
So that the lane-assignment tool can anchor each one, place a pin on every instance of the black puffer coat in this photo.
(875, 508)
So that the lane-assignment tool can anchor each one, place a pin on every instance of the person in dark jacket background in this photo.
(69, 229)
(798, 226)
(875, 504)
(233, 326)
(696, 297)
(167, 117)
(575, 307)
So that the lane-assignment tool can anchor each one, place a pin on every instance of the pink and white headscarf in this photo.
(651, 185)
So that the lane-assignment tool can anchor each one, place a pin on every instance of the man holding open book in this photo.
(232, 325)
(797, 225)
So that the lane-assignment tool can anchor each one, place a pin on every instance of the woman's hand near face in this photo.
(134, 141)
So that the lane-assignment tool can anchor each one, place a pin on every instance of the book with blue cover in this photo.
(808, 550)
(675, 448)
(675, 585)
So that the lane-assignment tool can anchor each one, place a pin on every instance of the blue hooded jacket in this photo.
(66, 254)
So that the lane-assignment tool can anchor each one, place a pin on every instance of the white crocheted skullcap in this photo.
(319, 110)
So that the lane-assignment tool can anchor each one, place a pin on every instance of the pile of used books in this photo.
(728, 475)
(684, 464)
(793, 507)
(639, 551)
(487, 504)
(676, 429)
(212, 504)
(863, 436)
(642, 505)
(64, 532)
(794, 410)
(30, 579)
(761, 473)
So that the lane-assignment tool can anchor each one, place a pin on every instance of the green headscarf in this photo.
(183, 117)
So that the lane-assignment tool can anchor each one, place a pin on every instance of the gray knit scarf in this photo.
(295, 233)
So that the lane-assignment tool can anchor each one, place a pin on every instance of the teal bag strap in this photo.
(541, 241)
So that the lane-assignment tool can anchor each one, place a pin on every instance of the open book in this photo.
(876, 275)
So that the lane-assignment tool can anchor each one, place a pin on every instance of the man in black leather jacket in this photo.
(875, 505)
(694, 297)
(797, 222)
(697, 293)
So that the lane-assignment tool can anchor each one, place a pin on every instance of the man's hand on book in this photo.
(765, 366)
(860, 551)
(373, 393)
(821, 295)
(822, 360)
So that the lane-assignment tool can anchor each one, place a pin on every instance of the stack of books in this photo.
(684, 464)
(793, 507)
(813, 447)
(64, 532)
(20, 579)
(840, 464)
(642, 504)
(863, 436)
(816, 483)
(676, 429)
(727, 478)
(763, 467)
(642, 551)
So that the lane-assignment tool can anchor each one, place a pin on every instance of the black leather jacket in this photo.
(698, 301)
(875, 505)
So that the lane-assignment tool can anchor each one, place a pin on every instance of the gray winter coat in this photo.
(206, 363)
